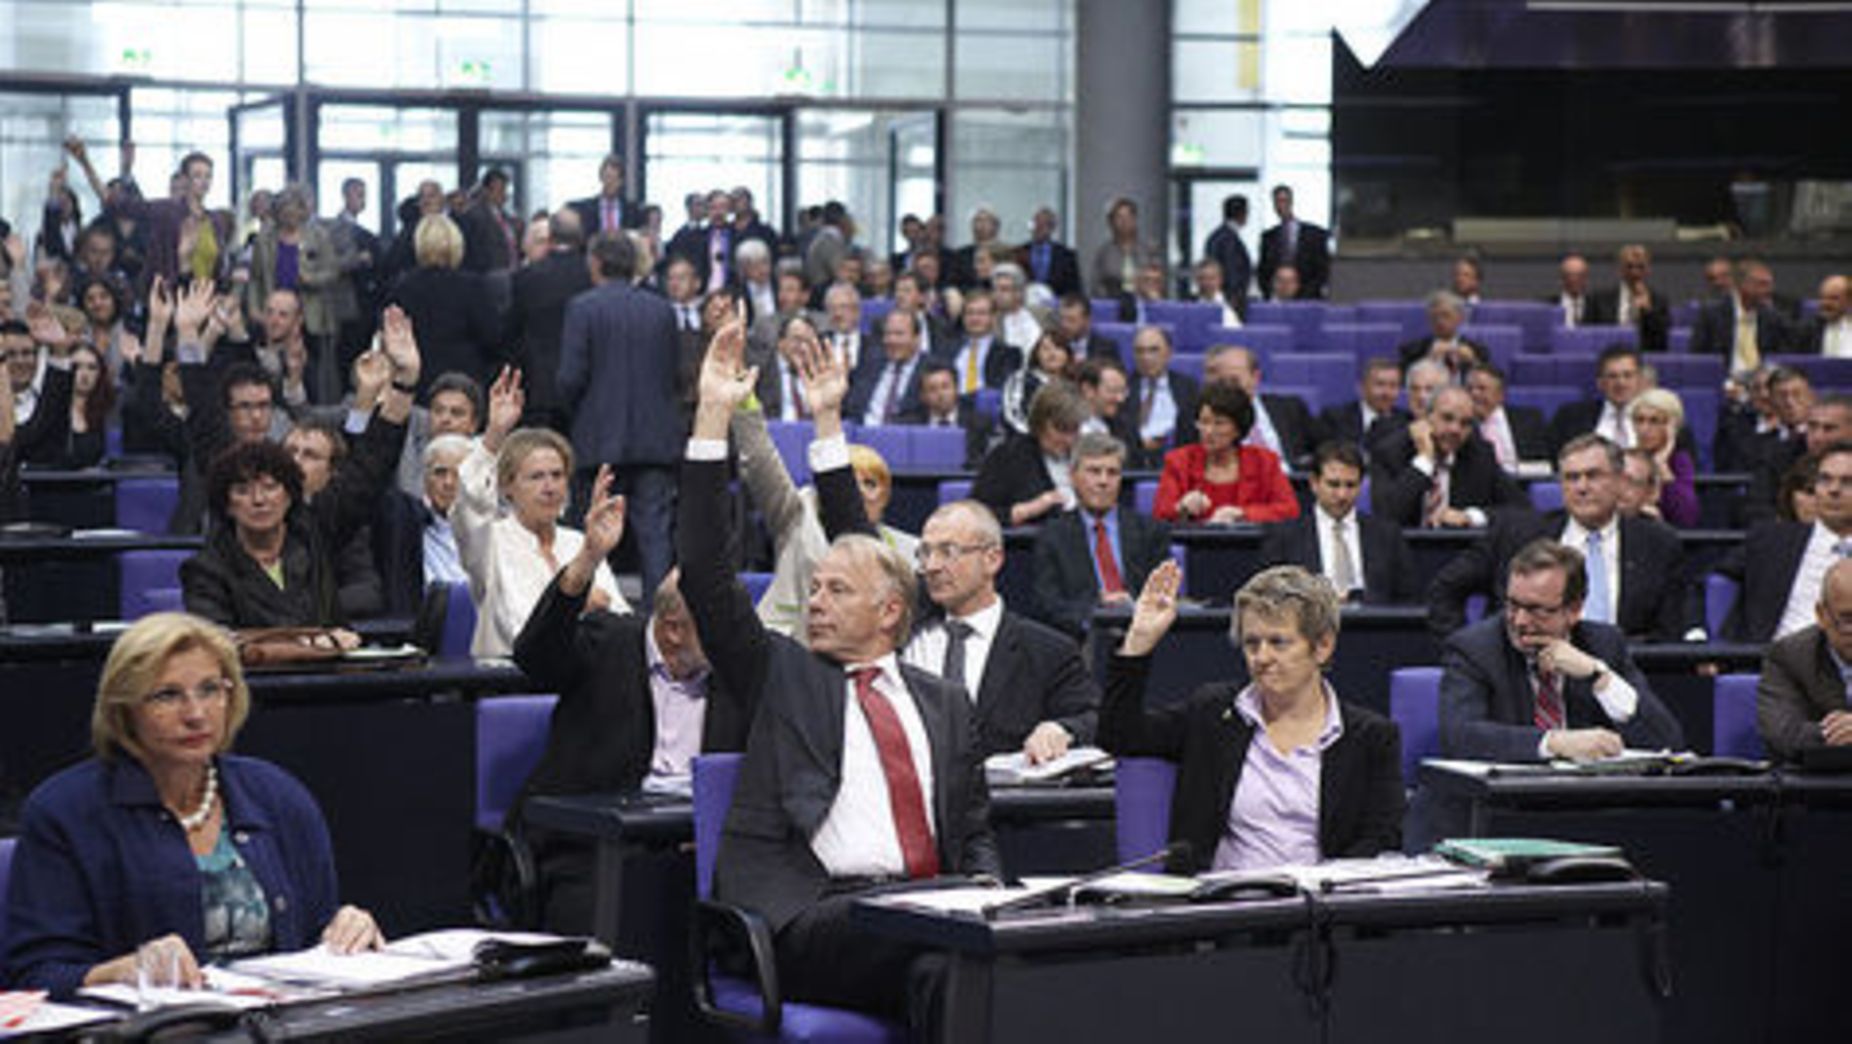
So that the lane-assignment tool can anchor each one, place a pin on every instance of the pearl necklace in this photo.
(197, 818)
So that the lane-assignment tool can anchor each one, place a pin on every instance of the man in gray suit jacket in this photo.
(617, 377)
(1801, 699)
(1536, 681)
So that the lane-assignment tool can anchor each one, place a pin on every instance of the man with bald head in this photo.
(1631, 301)
(1829, 331)
(1805, 696)
(1031, 689)
(859, 767)
(1571, 299)
(1438, 472)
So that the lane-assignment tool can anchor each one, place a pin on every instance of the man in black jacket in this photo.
(1100, 553)
(1638, 584)
(1538, 681)
(1373, 416)
(1363, 556)
(1780, 564)
(537, 314)
(636, 699)
(849, 747)
(1438, 472)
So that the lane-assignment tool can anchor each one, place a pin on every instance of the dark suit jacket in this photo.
(1360, 799)
(1529, 432)
(1808, 336)
(692, 243)
(1398, 488)
(867, 380)
(618, 375)
(591, 214)
(793, 762)
(1097, 347)
(975, 426)
(1411, 351)
(1767, 578)
(43, 438)
(1388, 562)
(1345, 424)
(1770, 457)
(603, 730)
(1011, 472)
(1487, 707)
(1002, 360)
(1298, 429)
(1800, 685)
(1066, 590)
(1034, 674)
(1655, 593)
(536, 317)
(456, 324)
(1225, 248)
(485, 248)
(1602, 308)
(1311, 256)
(1063, 267)
(1714, 330)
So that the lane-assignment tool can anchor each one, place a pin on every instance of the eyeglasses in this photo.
(929, 553)
(211, 692)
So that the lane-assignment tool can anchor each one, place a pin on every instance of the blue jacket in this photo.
(102, 867)
(619, 360)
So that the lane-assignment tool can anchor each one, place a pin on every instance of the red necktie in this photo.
(903, 782)
(1548, 714)
(1110, 580)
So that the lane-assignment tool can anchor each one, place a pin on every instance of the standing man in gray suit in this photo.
(617, 375)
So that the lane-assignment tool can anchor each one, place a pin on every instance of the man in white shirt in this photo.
(1363, 556)
(1829, 331)
(443, 455)
(682, 285)
(983, 359)
(1032, 690)
(843, 307)
(1209, 290)
(1516, 433)
(754, 260)
(1620, 376)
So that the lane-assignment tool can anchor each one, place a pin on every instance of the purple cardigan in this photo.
(1678, 499)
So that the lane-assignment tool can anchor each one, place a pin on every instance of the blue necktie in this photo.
(1596, 607)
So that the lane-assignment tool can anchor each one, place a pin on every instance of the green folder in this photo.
(1504, 855)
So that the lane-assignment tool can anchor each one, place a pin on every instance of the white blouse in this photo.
(507, 572)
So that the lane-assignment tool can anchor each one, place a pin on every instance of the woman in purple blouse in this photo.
(1657, 415)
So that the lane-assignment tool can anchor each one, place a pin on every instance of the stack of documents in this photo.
(1014, 769)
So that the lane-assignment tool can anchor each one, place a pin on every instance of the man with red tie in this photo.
(861, 772)
(1099, 554)
(1536, 681)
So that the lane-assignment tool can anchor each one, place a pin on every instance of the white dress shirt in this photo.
(681, 711)
(1618, 698)
(1264, 433)
(507, 571)
(1822, 551)
(1496, 429)
(1614, 426)
(927, 649)
(858, 837)
(1020, 329)
(1162, 418)
(1576, 535)
(1327, 545)
(1836, 338)
(890, 389)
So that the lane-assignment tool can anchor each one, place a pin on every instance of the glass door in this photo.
(687, 151)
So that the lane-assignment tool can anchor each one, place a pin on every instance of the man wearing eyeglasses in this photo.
(1031, 688)
(1537, 681)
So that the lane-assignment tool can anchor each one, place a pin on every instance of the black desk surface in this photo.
(1088, 927)
(653, 818)
(460, 1011)
(22, 549)
(1571, 789)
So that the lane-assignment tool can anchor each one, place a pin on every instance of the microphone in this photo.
(1176, 849)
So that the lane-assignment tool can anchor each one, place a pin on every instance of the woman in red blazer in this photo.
(1218, 480)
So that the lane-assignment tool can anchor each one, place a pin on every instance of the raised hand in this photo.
(372, 372)
(131, 348)
(400, 344)
(47, 330)
(725, 378)
(604, 519)
(192, 309)
(1155, 610)
(506, 401)
(826, 381)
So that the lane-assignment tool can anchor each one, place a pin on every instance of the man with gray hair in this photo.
(1437, 472)
(1538, 680)
(985, 227)
(1444, 345)
(1100, 553)
(753, 259)
(537, 315)
(442, 456)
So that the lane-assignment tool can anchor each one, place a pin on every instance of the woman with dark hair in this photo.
(1051, 359)
(105, 303)
(273, 558)
(1220, 480)
(93, 402)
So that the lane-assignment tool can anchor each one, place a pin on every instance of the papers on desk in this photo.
(669, 786)
(1626, 763)
(104, 533)
(1004, 770)
(224, 988)
(25, 1012)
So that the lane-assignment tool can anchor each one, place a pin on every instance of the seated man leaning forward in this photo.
(860, 772)
(1537, 681)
